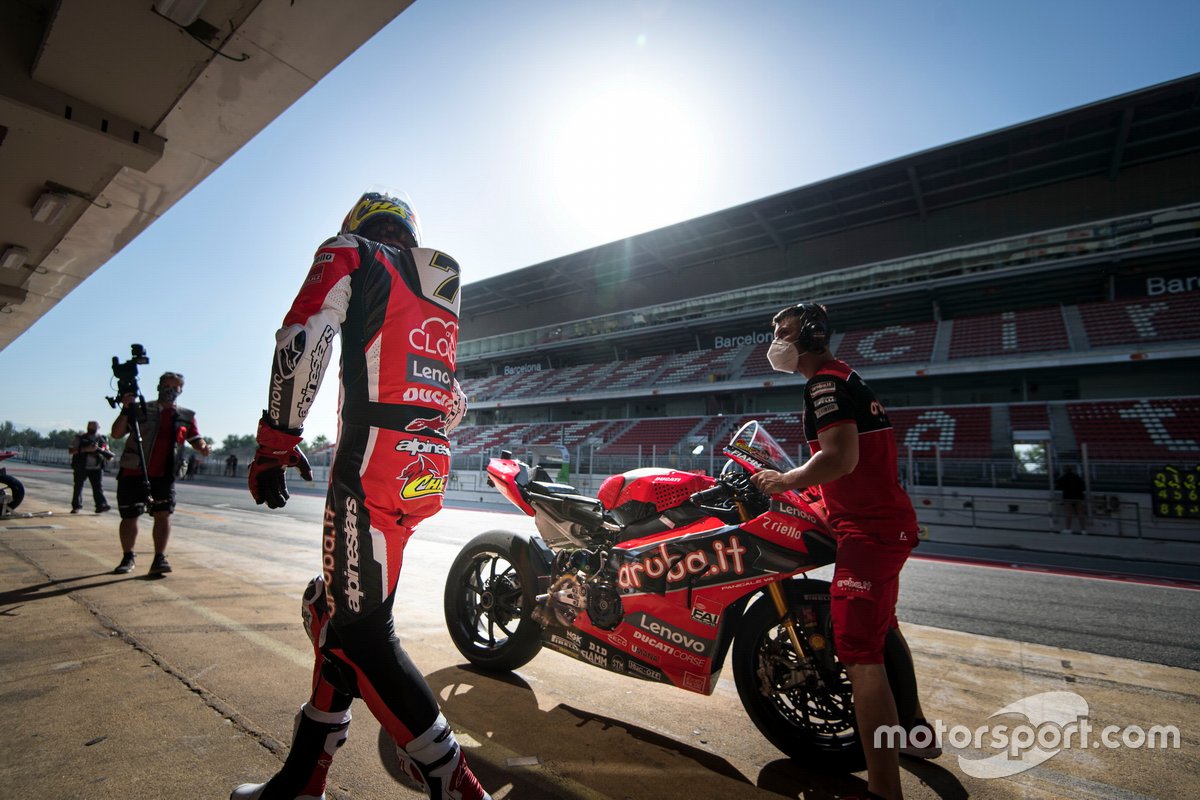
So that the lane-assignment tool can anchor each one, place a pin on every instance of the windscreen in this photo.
(755, 449)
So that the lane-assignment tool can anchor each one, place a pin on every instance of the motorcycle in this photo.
(12, 491)
(659, 576)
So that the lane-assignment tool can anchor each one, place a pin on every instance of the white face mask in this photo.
(783, 355)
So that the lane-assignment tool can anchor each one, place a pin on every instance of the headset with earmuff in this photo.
(814, 327)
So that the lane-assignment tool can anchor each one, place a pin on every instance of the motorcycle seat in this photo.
(558, 490)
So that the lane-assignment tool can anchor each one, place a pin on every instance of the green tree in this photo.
(238, 444)
(60, 439)
(319, 443)
(11, 437)
(1031, 457)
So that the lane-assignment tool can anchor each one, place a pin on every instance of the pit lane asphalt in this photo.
(125, 687)
(1107, 617)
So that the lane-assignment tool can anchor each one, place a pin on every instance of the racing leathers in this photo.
(397, 312)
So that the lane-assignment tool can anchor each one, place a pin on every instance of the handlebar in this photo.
(717, 492)
(748, 501)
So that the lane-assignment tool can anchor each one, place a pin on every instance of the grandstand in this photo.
(1038, 284)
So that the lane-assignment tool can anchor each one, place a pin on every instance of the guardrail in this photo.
(976, 494)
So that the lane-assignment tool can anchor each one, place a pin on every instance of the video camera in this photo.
(126, 374)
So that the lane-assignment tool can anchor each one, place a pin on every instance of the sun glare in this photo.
(624, 160)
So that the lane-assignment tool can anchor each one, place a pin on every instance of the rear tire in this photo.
(813, 724)
(14, 489)
(489, 600)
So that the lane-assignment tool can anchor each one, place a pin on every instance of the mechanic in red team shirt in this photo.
(395, 305)
(854, 464)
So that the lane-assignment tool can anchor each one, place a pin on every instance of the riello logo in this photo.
(725, 558)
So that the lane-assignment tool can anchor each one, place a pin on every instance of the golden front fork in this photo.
(776, 592)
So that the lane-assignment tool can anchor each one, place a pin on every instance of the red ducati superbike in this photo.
(658, 576)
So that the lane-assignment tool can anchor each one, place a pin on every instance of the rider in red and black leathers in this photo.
(396, 307)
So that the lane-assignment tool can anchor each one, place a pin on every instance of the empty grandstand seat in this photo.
(697, 365)
(756, 363)
(636, 372)
(1143, 321)
(1028, 417)
(894, 344)
(1040, 330)
(959, 431)
(1163, 430)
(660, 433)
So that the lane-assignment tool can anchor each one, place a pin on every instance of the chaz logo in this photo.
(423, 485)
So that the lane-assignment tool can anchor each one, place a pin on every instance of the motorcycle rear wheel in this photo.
(812, 724)
(489, 600)
(15, 490)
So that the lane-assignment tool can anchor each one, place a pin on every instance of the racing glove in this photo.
(278, 449)
(458, 407)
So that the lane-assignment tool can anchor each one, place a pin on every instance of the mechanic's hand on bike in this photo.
(277, 450)
(770, 481)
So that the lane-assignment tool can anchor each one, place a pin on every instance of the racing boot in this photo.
(435, 760)
(317, 737)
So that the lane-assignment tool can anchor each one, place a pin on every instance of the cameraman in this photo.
(89, 453)
(164, 428)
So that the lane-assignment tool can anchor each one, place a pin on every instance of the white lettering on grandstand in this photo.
(520, 369)
(741, 341)
(868, 347)
(1156, 286)
(934, 420)
(1142, 318)
(1008, 330)
(1152, 418)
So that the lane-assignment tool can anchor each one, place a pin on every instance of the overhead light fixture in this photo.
(181, 12)
(14, 257)
(49, 207)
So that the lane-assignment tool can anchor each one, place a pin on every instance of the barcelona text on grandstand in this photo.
(1155, 286)
(520, 369)
(742, 341)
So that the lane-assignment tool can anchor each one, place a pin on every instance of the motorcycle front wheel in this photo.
(15, 490)
(810, 720)
(489, 600)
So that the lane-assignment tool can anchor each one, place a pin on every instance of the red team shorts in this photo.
(866, 583)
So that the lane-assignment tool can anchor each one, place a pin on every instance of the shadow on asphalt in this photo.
(622, 760)
(42, 591)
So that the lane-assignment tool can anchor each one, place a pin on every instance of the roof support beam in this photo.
(915, 183)
(766, 226)
(505, 296)
(1114, 166)
(648, 250)
(561, 274)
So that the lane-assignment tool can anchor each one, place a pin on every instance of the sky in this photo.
(531, 129)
